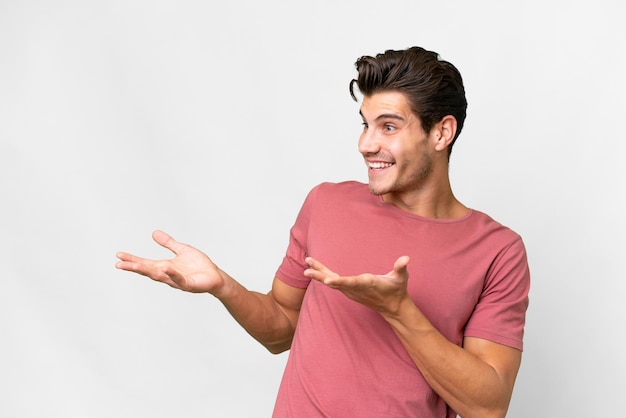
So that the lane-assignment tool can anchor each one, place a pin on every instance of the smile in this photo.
(379, 165)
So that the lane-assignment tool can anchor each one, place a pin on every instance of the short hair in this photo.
(433, 87)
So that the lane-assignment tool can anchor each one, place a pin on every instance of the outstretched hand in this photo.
(382, 292)
(190, 270)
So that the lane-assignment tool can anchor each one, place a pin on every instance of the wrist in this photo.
(408, 316)
(399, 309)
(223, 288)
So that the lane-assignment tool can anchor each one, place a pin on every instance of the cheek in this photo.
(400, 150)
(408, 153)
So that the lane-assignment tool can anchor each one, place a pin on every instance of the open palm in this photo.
(190, 270)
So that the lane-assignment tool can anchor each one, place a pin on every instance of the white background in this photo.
(212, 120)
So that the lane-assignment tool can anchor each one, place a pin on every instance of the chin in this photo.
(376, 191)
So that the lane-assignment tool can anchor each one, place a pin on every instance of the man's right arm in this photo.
(270, 318)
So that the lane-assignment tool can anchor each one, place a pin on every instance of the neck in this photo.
(434, 201)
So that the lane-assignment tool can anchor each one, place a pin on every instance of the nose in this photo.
(368, 143)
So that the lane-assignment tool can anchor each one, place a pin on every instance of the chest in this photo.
(446, 272)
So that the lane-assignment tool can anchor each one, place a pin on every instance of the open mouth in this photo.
(379, 165)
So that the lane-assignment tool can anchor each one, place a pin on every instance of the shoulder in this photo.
(328, 191)
(486, 225)
(342, 187)
(492, 240)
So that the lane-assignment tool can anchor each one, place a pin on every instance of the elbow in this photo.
(486, 413)
(495, 414)
(277, 347)
(500, 413)
(274, 350)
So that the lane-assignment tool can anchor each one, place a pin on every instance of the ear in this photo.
(444, 132)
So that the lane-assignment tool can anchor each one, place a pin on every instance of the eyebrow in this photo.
(385, 116)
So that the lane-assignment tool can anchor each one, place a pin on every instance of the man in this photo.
(441, 332)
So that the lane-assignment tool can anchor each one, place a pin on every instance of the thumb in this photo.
(399, 266)
(167, 241)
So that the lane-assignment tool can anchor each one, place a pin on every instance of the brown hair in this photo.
(433, 87)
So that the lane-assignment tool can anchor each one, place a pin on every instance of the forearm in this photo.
(467, 383)
(259, 314)
(271, 318)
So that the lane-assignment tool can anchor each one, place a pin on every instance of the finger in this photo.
(173, 278)
(317, 268)
(316, 265)
(165, 274)
(154, 270)
(139, 265)
(129, 257)
(315, 274)
(135, 265)
(167, 241)
(126, 265)
(318, 271)
(401, 263)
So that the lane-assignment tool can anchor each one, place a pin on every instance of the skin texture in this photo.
(476, 380)
(269, 318)
(417, 181)
(408, 167)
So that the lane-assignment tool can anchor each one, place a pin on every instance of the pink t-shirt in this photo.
(469, 276)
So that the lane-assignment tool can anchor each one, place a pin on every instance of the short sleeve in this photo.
(291, 270)
(500, 314)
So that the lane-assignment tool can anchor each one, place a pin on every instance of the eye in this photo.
(365, 125)
(388, 127)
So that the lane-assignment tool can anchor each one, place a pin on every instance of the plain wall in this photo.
(212, 121)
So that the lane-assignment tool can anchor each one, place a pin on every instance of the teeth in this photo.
(378, 166)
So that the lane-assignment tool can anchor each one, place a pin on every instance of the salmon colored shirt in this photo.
(469, 276)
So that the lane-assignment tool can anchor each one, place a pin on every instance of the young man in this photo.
(441, 332)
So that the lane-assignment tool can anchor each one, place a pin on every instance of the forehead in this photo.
(386, 103)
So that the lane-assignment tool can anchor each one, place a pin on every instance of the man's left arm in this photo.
(475, 380)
